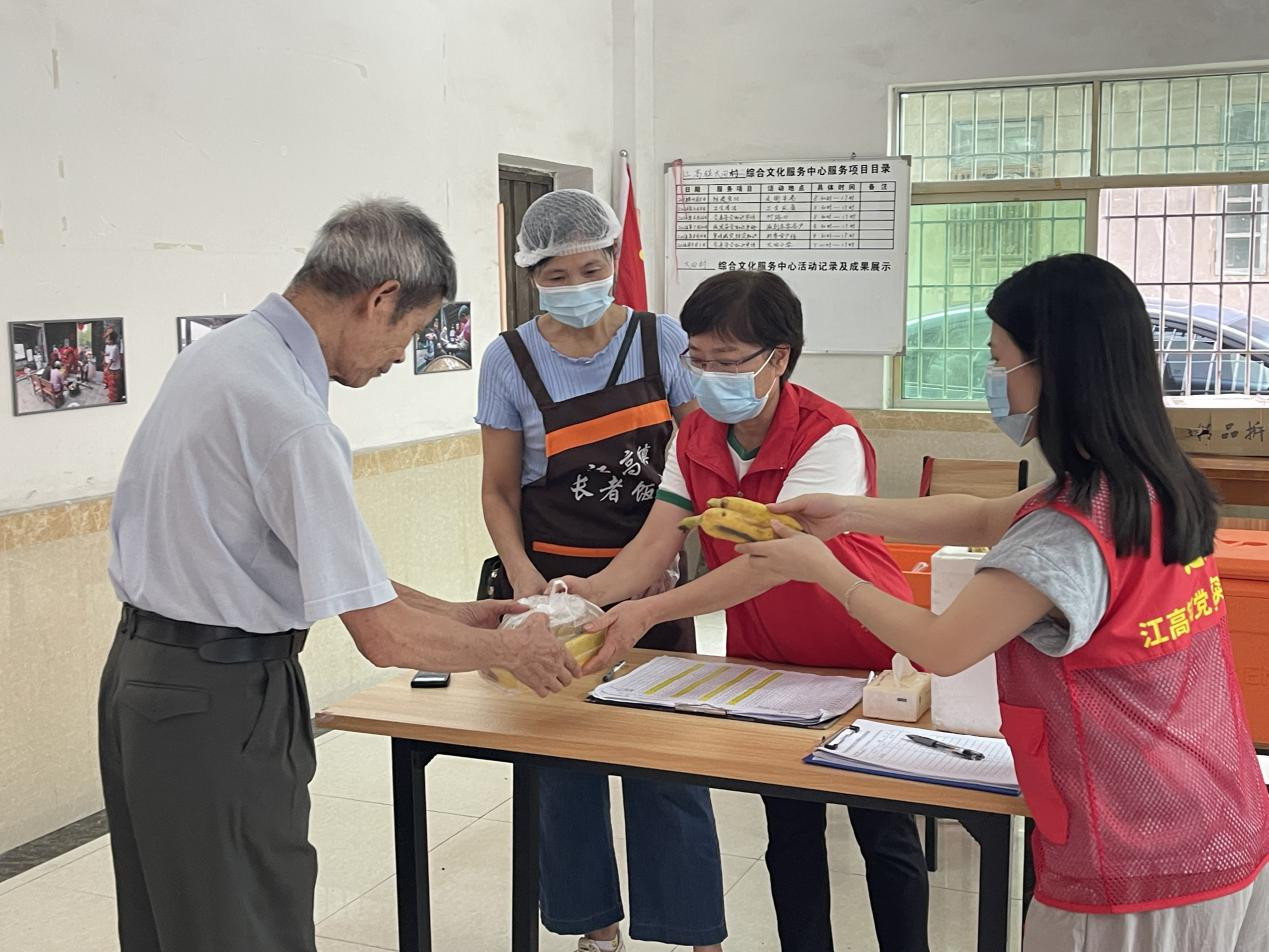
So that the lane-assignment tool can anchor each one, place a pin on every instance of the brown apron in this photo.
(604, 455)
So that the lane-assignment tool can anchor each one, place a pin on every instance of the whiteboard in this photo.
(835, 229)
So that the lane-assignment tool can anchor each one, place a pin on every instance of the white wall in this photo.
(752, 79)
(232, 130)
(633, 122)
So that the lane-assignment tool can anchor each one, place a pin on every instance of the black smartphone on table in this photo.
(430, 679)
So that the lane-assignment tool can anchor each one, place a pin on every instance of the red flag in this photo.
(632, 283)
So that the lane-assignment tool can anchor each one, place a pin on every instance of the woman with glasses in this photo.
(576, 410)
(767, 439)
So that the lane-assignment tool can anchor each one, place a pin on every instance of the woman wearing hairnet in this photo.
(576, 410)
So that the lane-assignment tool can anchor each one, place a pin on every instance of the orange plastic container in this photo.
(914, 560)
(1242, 558)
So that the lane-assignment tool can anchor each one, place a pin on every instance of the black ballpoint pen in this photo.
(950, 748)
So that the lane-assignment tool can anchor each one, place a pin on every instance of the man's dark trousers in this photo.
(205, 767)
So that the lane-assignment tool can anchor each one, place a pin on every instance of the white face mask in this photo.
(1016, 426)
(578, 305)
(731, 398)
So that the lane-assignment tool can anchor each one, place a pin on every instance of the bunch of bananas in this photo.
(734, 519)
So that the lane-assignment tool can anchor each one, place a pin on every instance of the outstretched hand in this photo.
(581, 587)
(823, 515)
(536, 658)
(487, 613)
(791, 557)
(626, 624)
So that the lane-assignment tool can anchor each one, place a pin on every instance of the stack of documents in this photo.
(887, 750)
(748, 691)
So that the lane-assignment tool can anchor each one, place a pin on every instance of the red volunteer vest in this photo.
(1133, 752)
(794, 623)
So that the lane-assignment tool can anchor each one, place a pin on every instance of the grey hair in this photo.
(371, 241)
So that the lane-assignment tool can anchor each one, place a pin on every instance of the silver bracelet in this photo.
(851, 591)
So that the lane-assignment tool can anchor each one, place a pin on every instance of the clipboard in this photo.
(886, 750)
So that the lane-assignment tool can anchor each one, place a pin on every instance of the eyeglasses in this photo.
(696, 365)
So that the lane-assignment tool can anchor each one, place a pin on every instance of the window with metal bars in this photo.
(1166, 176)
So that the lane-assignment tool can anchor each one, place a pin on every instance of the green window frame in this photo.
(1008, 173)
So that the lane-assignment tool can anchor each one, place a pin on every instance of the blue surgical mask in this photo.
(1016, 426)
(577, 305)
(731, 398)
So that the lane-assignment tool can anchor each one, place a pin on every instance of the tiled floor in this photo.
(66, 904)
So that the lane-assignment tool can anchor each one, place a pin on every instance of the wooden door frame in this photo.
(509, 176)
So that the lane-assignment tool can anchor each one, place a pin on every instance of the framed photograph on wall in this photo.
(67, 365)
(190, 329)
(445, 344)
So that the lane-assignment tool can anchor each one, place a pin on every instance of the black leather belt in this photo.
(212, 642)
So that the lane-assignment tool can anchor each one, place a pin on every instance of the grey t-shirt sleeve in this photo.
(1058, 556)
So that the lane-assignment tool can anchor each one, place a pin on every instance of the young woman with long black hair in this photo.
(1103, 607)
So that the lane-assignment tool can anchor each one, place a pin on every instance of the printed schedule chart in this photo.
(836, 230)
(818, 215)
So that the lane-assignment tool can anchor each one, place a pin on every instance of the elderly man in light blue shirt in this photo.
(234, 529)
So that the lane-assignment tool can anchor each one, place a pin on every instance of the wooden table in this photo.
(471, 718)
(1240, 480)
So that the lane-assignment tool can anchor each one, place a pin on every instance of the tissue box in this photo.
(965, 703)
(951, 569)
(890, 701)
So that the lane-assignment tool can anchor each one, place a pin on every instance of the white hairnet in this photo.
(565, 222)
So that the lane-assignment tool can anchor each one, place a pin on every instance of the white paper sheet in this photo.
(887, 747)
(748, 690)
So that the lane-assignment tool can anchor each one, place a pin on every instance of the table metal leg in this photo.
(526, 834)
(1028, 866)
(409, 807)
(992, 832)
(931, 844)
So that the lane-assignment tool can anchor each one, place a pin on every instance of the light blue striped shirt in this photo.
(505, 403)
(235, 504)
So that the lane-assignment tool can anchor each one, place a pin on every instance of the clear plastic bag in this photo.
(566, 615)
